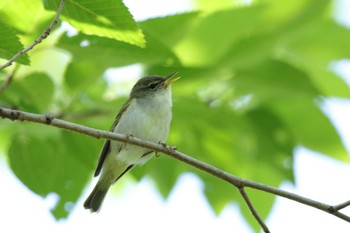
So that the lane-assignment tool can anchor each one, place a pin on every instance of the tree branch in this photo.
(8, 79)
(238, 182)
(340, 206)
(253, 211)
(38, 40)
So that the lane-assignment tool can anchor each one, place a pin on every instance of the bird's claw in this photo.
(157, 154)
(128, 136)
(172, 148)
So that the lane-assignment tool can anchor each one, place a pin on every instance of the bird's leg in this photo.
(128, 136)
(157, 154)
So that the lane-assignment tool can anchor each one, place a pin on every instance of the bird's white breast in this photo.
(146, 118)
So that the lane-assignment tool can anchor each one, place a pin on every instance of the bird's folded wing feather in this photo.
(106, 146)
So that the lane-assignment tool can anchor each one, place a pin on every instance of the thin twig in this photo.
(253, 211)
(340, 206)
(6, 82)
(234, 180)
(8, 79)
(38, 40)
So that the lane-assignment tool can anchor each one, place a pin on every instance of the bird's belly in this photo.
(148, 124)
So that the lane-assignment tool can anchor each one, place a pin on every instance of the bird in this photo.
(146, 115)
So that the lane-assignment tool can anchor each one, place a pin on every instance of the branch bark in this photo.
(252, 210)
(238, 182)
(38, 40)
(340, 206)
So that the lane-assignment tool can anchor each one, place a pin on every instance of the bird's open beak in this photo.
(168, 81)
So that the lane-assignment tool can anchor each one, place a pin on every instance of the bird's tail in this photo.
(95, 199)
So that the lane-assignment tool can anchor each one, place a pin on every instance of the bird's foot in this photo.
(157, 154)
(128, 136)
(169, 148)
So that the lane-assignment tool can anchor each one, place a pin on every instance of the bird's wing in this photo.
(106, 146)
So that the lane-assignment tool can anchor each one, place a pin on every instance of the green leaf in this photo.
(292, 13)
(318, 46)
(290, 92)
(112, 53)
(275, 145)
(19, 14)
(232, 141)
(248, 51)
(252, 80)
(310, 127)
(314, 49)
(272, 80)
(167, 30)
(213, 36)
(11, 45)
(257, 145)
(309, 38)
(218, 194)
(37, 90)
(82, 74)
(212, 6)
(6, 132)
(162, 170)
(54, 164)
(105, 18)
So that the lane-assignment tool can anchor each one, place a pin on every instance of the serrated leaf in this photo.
(105, 18)
(10, 45)
(218, 194)
(54, 164)
(164, 171)
(112, 53)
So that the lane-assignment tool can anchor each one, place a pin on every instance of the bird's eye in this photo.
(152, 86)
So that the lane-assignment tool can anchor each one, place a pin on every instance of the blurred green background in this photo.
(255, 76)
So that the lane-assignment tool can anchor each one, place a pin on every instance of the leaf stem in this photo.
(8, 79)
(43, 36)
